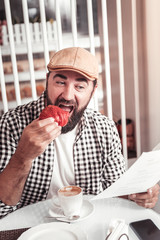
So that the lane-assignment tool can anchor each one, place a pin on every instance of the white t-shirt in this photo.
(63, 173)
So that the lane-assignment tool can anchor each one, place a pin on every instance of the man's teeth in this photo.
(66, 108)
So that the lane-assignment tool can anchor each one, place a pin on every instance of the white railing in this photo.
(36, 32)
(121, 76)
(35, 29)
(48, 36)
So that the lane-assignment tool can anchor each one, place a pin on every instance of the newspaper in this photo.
(142, 175)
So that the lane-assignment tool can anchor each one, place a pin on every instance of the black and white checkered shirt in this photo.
(97, 153)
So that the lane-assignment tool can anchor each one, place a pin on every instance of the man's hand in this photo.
(33, 142)
(148, 199)
(35, 138)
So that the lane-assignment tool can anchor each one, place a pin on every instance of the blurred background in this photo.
(123, 34)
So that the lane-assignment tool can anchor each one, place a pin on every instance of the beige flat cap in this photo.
(75, 59)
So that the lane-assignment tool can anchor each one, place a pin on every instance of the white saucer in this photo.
(86, 210)
(54, 230)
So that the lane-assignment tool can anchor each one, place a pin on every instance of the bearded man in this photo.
(37, 157)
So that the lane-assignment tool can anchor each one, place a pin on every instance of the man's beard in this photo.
(75, 117)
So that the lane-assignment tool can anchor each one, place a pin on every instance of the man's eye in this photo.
(60, 82)
(80, 87)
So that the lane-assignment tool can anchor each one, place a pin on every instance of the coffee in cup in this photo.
(70, 200)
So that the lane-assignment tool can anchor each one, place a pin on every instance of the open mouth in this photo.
(67, 108)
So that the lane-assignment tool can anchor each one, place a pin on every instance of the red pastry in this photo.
(60, 116)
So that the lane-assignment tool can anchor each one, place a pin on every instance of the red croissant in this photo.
(60, 116)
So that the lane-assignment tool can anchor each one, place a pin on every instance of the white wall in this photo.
(152, 68)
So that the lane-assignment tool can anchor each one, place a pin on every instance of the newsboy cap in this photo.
(75, 59)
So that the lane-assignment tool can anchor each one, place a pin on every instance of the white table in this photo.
(95, 226)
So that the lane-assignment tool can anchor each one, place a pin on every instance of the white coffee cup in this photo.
(70, 200)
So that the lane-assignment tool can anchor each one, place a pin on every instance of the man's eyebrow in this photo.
(82, 80)
(59, 75)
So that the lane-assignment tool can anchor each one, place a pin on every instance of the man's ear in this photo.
(95, 87)
(47, 76)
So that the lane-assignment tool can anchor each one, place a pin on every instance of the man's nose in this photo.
(68, 93)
